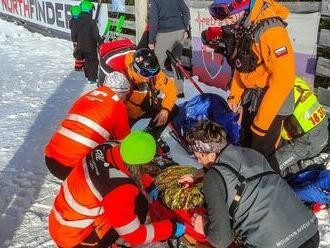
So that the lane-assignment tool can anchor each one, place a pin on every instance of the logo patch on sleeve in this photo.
(281, 52)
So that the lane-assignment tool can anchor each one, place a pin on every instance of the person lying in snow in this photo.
(207, 106)
(245, 196)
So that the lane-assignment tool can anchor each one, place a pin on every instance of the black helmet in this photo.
(146, 63)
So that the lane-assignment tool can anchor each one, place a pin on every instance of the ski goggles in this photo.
(146, 72)
(220, 11)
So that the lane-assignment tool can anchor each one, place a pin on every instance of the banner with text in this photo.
(52, 14)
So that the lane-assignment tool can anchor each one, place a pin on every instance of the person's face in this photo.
(206, 159)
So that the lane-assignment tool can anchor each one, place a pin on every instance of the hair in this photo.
(136, 172)
(208, 132)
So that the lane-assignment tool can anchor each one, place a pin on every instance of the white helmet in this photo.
(117, 82)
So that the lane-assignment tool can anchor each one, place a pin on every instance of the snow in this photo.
(38, 85)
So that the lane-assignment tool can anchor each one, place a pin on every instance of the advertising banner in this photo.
(52, 14)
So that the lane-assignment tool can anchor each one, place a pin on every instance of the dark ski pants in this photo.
(57, 169)
(91, 65)
(152, 112)
(143, 43)
(264, 144)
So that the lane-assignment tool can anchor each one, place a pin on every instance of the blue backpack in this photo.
(207, 106)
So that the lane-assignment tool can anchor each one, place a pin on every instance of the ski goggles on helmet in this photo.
(220, 11)
(146, 72)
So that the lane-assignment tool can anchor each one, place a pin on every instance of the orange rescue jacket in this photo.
(118, 56)
(100, 195)
(94, 118)
(276, 75)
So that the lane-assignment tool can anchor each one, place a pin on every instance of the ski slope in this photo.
(38, 85)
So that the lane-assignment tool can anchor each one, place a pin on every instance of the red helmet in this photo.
(221, 9)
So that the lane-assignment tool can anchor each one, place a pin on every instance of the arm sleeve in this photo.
(218, 230)
(167, 86)
(237, 88)
(119, 205)
(278, 56)
(95, 33)
(121, 126)
(153, 21)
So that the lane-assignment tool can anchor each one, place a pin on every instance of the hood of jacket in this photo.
(264, 9)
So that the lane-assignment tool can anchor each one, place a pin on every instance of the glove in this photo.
(154, 194)
(211, 34)
(179, 229)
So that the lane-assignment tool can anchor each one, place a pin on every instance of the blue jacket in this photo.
(207, 106)
(312, 185)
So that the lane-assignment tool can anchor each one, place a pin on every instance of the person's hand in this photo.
(151, 46)
(186, 180)
(179, 229)
(184, 35)
(234, 106)
(199, 221)
(161, 117)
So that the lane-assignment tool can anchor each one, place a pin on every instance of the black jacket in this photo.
(86, 33)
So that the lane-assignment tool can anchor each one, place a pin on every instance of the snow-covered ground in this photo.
(38, 85)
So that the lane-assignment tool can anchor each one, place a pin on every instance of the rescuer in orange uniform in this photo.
(109, 201)
(96, 117)
(257, 45)
(143, 70)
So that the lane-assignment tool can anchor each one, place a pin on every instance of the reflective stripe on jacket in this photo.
(308, 111)
(99, 195)
(95, 118)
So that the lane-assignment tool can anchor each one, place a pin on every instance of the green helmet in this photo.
(86, 6)
(75, 10)
(138, 148)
